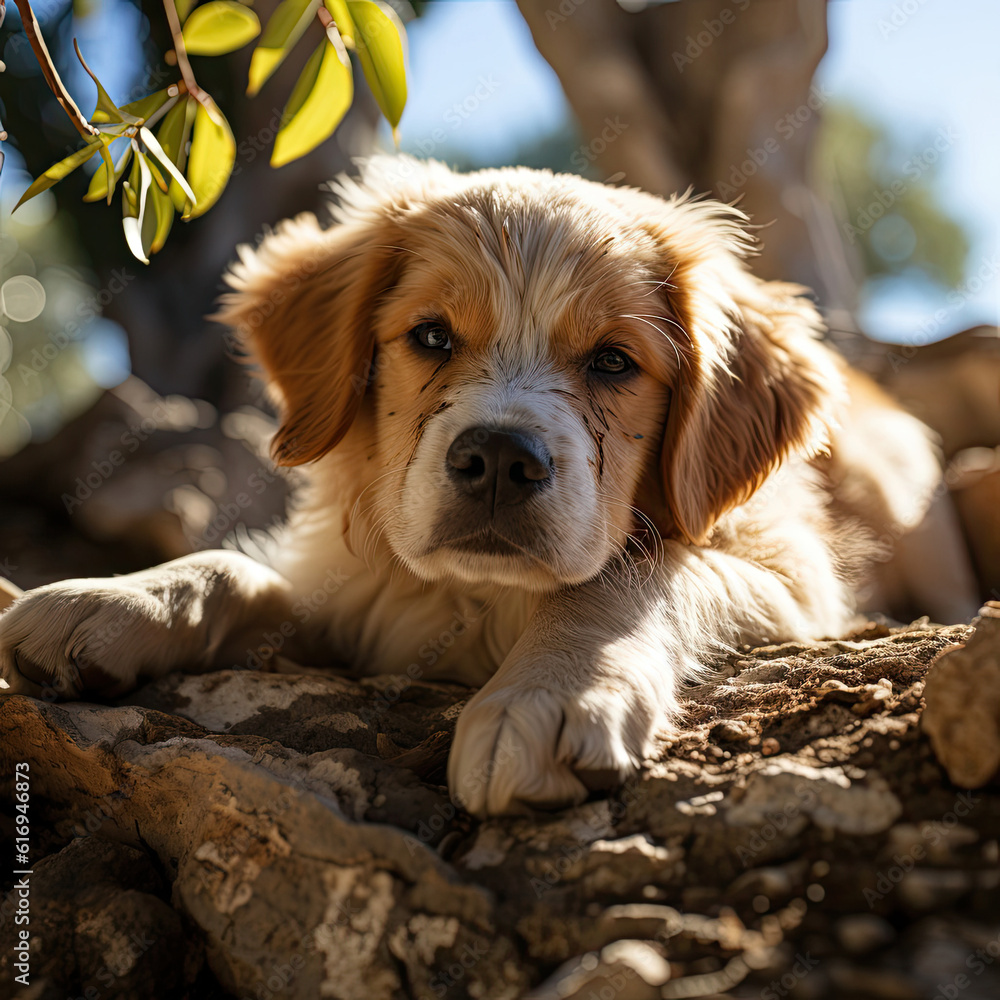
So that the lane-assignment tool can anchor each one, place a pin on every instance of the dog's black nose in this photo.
(499, 467)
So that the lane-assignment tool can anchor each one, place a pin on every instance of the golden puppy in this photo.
(557, 434)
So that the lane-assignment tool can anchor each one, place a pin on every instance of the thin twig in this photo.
(183, 64)
(50, 72)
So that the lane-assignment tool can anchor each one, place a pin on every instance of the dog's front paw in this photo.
(518, 748)
(66, 639)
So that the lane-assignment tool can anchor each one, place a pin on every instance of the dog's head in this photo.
(517, 372)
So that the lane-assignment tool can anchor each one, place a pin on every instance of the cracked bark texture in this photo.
(288, 835)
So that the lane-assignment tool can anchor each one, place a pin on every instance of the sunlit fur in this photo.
(689, 504)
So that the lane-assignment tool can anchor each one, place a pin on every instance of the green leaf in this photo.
(157, 150)
(218, 27)
(129, 203)
(99, 182)
(59, 170)
(380, 49)
(159, 181)
(171, 132)
(114, 130)
(144, 109)
(320, 100)
(147, 207)
(109, 170)
(173, 136)
(211, 159)
(284, 28)
(164, 208)
(106, 111)
(342, 18)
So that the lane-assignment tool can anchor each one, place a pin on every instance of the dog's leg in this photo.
(577, 701)
(194, 614)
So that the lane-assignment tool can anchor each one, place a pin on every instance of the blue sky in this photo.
(935, 67)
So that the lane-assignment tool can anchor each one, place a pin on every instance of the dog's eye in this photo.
(612, 361)
(433, 335)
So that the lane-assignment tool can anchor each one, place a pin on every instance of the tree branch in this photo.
(50, 72)
(183, 64)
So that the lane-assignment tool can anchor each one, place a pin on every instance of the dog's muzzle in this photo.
(499, 468)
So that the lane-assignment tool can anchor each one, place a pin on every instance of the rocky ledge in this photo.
(270, 835)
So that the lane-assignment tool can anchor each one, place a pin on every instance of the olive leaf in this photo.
(62, 169)
(342, 18)
(99, 186)
(284, 28)
(144, 109)
(211, 158)
(106, 112)
(185, 166)
(218, 27)
(380, 48)
(173, 135)
(320, 100)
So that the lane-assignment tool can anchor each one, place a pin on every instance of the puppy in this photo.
(555, 431)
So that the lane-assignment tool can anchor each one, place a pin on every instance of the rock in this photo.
(975, 478)
(291, 835)
(831, 799)
(853, 981)
(962, 693)
(268, 863)
(626, 970)
(864, 933)
(107, 927)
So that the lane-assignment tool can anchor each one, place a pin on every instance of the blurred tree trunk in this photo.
(713, 94)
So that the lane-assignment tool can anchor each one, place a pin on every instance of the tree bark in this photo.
(713, 95)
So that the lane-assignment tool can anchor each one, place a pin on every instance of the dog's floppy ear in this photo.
(304, 306)
(755, 383)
